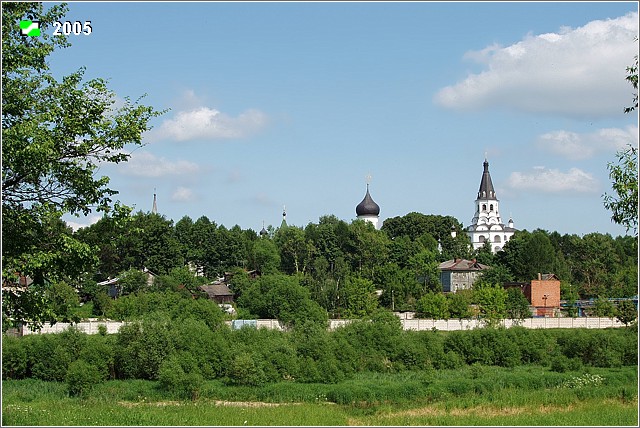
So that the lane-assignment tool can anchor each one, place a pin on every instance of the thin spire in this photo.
(154, 210)
(486, 190)
(284, 217)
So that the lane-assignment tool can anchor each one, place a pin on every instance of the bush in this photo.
(179, 375)
(561, 364)
(14, 358)
(99, 352)
(246, 370)
(81, 377)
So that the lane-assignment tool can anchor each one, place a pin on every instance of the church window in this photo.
(491, 207)
(484, 207)
(497, 239)
(481, 238)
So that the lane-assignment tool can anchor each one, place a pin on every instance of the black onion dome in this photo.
(367, 206)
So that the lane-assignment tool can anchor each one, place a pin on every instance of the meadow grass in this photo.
(472, 395)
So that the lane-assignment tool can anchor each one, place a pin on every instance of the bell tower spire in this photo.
(154, 209)
(486, 225)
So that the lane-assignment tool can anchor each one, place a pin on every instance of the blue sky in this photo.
(294, 103)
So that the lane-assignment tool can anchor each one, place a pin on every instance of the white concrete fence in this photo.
(92, 326)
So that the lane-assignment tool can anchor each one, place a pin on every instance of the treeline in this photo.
(400, 259)
(329, 268)
(182, 355)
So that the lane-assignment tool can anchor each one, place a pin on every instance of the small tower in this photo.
(154, 209)
(284, 217)
(368, 210)
(263, 232)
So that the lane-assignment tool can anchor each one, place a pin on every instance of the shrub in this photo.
(14, 358)
(179, 375)
(81, 376)
(141, 348)
(561, 364)
(99, 352)
(246, 370)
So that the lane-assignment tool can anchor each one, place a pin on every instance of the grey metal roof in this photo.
(462, 265)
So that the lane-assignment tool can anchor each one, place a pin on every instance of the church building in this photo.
(486, 225)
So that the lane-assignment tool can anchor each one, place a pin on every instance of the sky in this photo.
(293, 104)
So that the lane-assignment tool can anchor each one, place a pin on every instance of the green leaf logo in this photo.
(29, 28)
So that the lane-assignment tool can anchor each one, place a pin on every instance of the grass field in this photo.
(474, 395)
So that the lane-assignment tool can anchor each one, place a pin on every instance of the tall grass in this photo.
(473, 395)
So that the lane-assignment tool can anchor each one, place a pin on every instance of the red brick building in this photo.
(543, 294)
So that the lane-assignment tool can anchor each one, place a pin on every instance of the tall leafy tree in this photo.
(517, 304)
(357, 298)
(433, 305)
(55, 133)
(624, 174)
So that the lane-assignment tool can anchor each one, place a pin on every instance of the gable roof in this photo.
(462, 265)
(216, 290)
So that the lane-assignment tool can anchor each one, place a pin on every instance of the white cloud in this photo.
(182, 194)
(575, 146)
(553, 181)
(145, 164)
(206, 123)
(83, 222)
(575, 72)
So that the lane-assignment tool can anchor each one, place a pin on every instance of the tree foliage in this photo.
(55, 134)
(624, 176)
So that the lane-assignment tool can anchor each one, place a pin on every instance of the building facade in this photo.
(487, 225)
(459, 274)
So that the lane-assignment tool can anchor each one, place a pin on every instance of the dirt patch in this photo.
(485, 411)
(216, 402)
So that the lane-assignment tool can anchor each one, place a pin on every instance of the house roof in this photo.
(109, 281)
(549, 277)
(462, 265)
(216, 290)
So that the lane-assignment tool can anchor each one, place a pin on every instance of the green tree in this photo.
(491, 300)
(425, 268)
(280, 297)
(358, 298)
(459, 304)
(55, 134)
(527, 254)
(64, 301)
(295, 251)
(433, 305)
(602, 307)
(132, 281)
(624, 206)
(624, 175)
(265, 256)
(632, 77)
(517, 304)
(498, 274)
(626, 312)
(368, 248)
